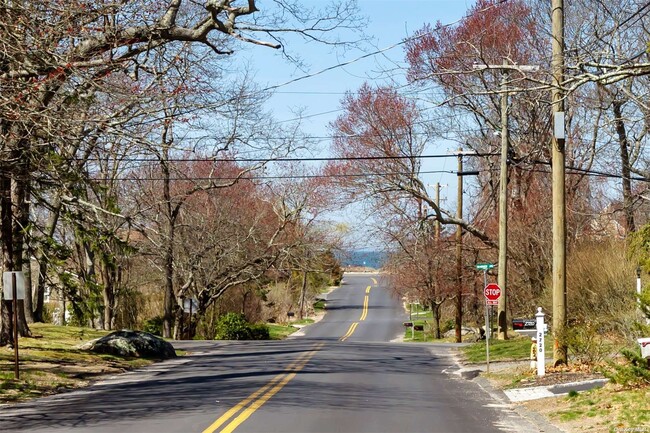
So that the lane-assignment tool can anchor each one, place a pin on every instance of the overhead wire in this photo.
(306, 159)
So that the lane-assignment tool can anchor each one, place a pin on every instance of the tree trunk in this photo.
(109, 301)
(626, 182)
(20, 222)
(6, 332)
(40, 289)
(7, 328)
(303, 292)
(27, 259)
(435, 313)
(42, 260)
(27, 275)
(179, 324)
(169, 288)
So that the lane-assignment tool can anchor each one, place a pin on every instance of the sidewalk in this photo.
(470, 371)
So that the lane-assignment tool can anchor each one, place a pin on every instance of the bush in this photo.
(635, 372)
(586, 342)
(233, 326)
(153, 326)
(448, 326)
(260, 331)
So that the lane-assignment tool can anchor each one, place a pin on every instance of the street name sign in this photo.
(484, 266)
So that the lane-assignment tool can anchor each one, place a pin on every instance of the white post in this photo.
(541, 365)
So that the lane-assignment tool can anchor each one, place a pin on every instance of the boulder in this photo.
(129, 343)
(464, 331)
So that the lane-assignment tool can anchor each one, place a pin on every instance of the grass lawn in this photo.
(280, 332)
(607, 409)
(52, 363)
(599, 410)
(516, 348)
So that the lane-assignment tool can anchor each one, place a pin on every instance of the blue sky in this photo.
(319, 97)
(390, 22)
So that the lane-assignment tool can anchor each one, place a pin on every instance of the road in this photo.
(342, 375)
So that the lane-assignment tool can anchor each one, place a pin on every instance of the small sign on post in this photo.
(13, 289)
(7, 291)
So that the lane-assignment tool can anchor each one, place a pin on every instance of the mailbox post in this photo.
(541, 365)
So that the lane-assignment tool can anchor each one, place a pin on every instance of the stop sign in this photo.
(492, 292)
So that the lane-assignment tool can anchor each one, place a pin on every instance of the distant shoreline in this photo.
(362, 259)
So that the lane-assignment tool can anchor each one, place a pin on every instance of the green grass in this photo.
(52, 362)
(420, 336)
(417, 311)
(516, 348)
(617, 410)
(280, 332)
(319, 305)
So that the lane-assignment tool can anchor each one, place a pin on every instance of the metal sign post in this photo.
(13, 285)
(14, 293)
(485, 267)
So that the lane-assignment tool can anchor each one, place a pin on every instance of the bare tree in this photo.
(57, 57)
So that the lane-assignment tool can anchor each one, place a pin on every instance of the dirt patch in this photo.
(558, 378)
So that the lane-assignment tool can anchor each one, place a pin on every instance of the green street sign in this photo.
(484, 266)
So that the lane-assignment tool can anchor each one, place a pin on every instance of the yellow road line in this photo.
(296, 365)
(368, 289)
(374, 281)
(259, 402)
(350, 331)
(364, 313)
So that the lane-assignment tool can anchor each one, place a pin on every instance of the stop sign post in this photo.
(492, 294)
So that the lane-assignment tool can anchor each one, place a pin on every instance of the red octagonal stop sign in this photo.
(492, 292)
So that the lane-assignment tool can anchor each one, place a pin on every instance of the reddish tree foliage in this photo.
(491, 31)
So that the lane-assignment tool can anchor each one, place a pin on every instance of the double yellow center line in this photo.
(250, 404)
(364, 315)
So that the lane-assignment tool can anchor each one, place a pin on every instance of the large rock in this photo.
(129, 343)
(464, 331)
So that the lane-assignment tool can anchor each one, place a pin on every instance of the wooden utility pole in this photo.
(558, 177)
(459, 252)
(502, 278)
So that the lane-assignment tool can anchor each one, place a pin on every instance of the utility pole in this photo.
(502, 278)
(459, 252)
(558, 178)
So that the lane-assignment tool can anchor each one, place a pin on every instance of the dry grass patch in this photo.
(600, 410)
(52, 363)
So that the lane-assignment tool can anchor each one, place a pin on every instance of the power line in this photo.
(570, 170)
(381, 50)
(274, 177)
(310, 159)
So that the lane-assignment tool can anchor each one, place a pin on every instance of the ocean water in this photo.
(366, 258)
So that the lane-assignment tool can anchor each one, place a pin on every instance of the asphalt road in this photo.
(343, 375)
